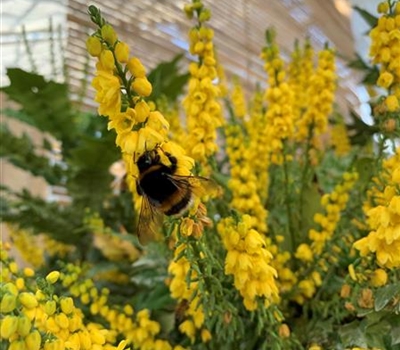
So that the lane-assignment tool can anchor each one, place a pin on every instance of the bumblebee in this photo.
(164, 192)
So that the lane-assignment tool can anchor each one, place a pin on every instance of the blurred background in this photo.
(48, 37)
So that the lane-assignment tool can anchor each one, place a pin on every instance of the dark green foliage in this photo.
(167, 81)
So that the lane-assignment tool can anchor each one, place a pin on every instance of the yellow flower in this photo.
(108, 34)
(379, 278)
(385, 80)
(28, 300)
(9, 325)
(94, 46)
(122, 52)
(107, 60)
(108, 93)
(136, 68)
(8, 302)
(53, 277)
(142, 86)
(304, 252)
(392, 103)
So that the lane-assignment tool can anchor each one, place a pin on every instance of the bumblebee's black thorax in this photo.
(156, 183)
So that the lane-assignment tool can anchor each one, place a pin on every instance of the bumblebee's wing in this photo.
(199, 186)
(150, 221)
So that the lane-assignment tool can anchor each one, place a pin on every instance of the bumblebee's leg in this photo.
(173, 161)
(139, 189)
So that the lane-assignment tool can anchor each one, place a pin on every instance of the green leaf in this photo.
(352, 335)
(385, 294)
(358, 63)
(91, 180)
(371, 76)
(370, 19)
(167, 81)
(44, 104)
(39, 216)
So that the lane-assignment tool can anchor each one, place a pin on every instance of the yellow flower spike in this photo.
(142, 86)
(53, 277)
(108, 34)
(122, 52)
(136, 68)
(8, 303)
(94, 46)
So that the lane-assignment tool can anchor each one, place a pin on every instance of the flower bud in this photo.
(107, 60)
(9, 326)
(108, 34)
(136, 68)
(379, 278)
(50, 307)
(142, 86)
(52, 277)
(8, 303)
(24, 326)
(142, 111)
(67, 305)
(122, 52)
(94, 46)
(28, 300)
(392, 103)
(33, 340)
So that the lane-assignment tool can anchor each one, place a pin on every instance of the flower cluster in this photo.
(300, 71)
(384, 50)
(185, 290)
(383, 218)
(243, 181)
(121, 87)
(34, 317)
(339, 139)
(248, 261)
(321, 90)
(279, 97)
(257, 134)
(333, 203)
(203, 110)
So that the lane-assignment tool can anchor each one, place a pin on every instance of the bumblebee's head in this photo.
(147, 159)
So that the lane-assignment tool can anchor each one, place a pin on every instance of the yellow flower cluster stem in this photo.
(202, 108)
(248, 260)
